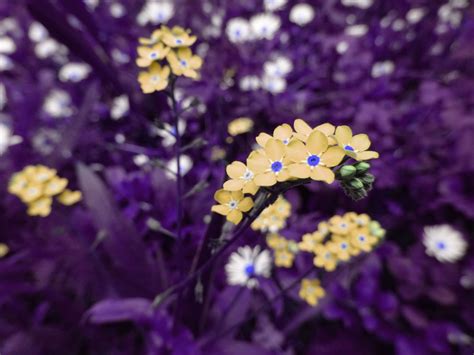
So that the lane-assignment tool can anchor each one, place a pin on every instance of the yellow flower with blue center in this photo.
(232, 204)
(284, 250)
(361, 239)
(341, 247)
(270, 165)
(314, 159)
(241, 178)
(283, 133)
(340, 225)
(311, 291)
(310, 241)
(184, 63)
(354, 146)
(40, 207)
(324, 258)
(177, 37)
(148, 55)
(303, 131)
(273, 218)
(155, 79)
(155, 37)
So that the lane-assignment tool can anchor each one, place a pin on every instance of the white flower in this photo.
(37, 32)
(7, 45)
(185, 164)
(74, 72)
(91, 4)
(272, 5)
(279, 66)
(120, 107)
(238, 30)
(156, 12)
(264, 26)
(117, 10)
(444, 243)
(7, 139)
(5, 63)
(46, 140)
(273, 84)
(168, 133)
(357, 30)
(249, 83)
(302, 14)
(382, 68)
(141, 159)
(415, 15)
(342, 47)
(363, 4)
(50, 47)
(58, 104)
(247, 263)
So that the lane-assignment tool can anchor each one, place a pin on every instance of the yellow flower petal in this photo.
(274, 149)
(236, 169)
(321, 173)
(360, 142)
(296, 151)
(327, 128)
(221, 209)
(257, 162)
(262, 139)
(69, 197)
(302, 127)
(333, 156)
(283, 175)
(246, 204)
(265, 179)
(237, 195)
(250, 188)
(234, 216)
(343, 135)
(41, 207)
(317, 143)
(222, 196)
(3, 250)
(367, 155)
(299, 170)
(283, 132)
(234, 185)
(55, 186)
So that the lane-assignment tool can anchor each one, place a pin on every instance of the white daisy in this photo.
(74, 72)
(247, 263)
(273, 84)
(120, 107)
(185, 164)
(168, 133)
(6, 138)
(273, 5)
(156, 12)
(444, 243)
(362, 4)
(58, 104)
(279, 66)
(46, 140)
(302, 14)
(7, 45)
(249, 83)
(264, 26)
(382, 68)
(49, 48)
(238, 30)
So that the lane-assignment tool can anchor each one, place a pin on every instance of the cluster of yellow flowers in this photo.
(36, 185)
(290, 154)
(284, 250)
(273, 218)
(172, 45)
(311, 291)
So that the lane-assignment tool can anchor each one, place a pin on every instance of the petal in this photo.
(326, 128)
(236, 169)
(274, 149)
(195, 62)
(233, 185)
(302, 127)
(185, 53)
(257, 162)
(317, 142)
(343, 135)
(234, 216)
(283, 132)
(221, 209)
(262, 139)
(360, 142)
(283, 175)
(333, 156)
(368, 154)
(250, 188)
(296, 151)
(237, 195)
(222, 196)
(321, 173)
(298, 170)
(265, 179)
(246, 204)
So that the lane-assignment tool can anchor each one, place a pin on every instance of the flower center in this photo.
(250, 270)
(233, 204)
(179, 41)
(313, 160)
(441, 245)
(153, 55)
(248, 175)
(361, 238)
(183, 63)
(155, 78)
(344, 246)
(327, 255)
(286, 141)
(348, 147)
(276, 166)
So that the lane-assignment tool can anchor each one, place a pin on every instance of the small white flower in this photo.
(156, 12)
(444, 243)
(362, 4)
(415, 15)
(238, 30)
(357, 30)
(249, 83)
(168, 133)
(141, 159)
(279, 66)
(120, 107)
(46, 140)
(382, 68)
(247, 263)
(6, 138)
(117, 10)
(273, 84)
(342, 47)
(7, 45)
(91, 4)
(58, 104)
(74, 72)
(49, 48)
(37, 32)
(273, 5)
(302, 14)
(5, 63)
(185, 164)
(264, 26)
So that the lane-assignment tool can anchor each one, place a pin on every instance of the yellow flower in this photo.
(177, 37)
(303, 131)
(18, 183)
(341, 247)
(241, 178)
(148, 55)
(39, 174)
(183, 62)
(354, 146)
(40, 207)
(240, 126)
(273, 218)
(314, 159)
(156, 79)
(276, 241)
(232, 204)
(69, 197)
(31, 193)
(324, 258)
(310, 241)
(269, 164)
(311, 291)
(155, 38)
(284, 258)
(55, 186)
(284, 133)
(323, 228)
(3, 250)
(361, 220)
(361, 239)
(340, 225)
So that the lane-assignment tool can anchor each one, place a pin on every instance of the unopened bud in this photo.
(347, 171)
(362, 167)
(356, 184)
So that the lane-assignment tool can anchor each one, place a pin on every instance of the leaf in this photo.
(120, 310)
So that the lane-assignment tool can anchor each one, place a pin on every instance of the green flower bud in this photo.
(347, 171)
(293, 247)
(356, 184)
(367, 178)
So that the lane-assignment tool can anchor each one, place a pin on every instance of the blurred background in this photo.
(401, 71)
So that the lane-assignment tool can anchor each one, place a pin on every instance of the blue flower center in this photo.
(277, 166)
(183, 63)
(361, 238)
(348, 147)
(313, 160)
(343, 246)
(250, 270)
(179, 41)
(441, 245)
(153, 55)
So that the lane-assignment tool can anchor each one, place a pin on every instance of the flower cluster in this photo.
(173, 46)
(37, 185)
(311, 291)
(292, 154)
(273, 218)
(284, 250)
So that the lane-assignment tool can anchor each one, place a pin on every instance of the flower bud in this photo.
(362, 167)
(367, 179)
(356, 184)
(347, 171)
